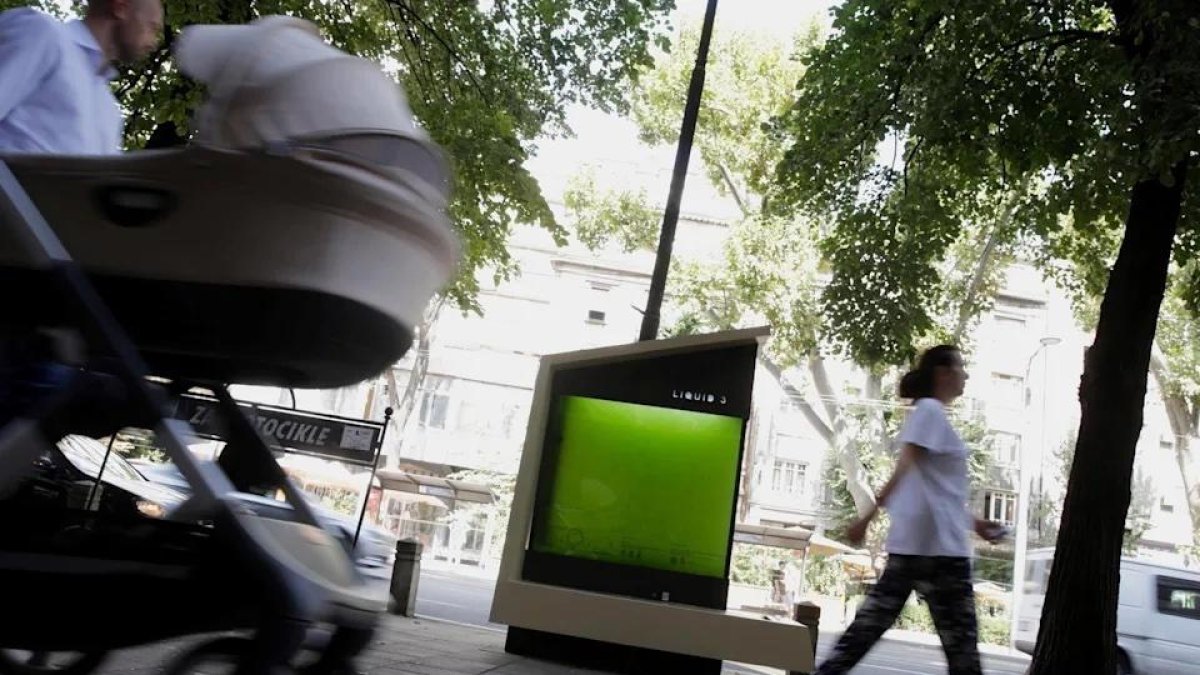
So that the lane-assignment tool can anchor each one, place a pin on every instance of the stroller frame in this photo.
(297, 601)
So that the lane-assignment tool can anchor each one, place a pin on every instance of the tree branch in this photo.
(1181, 416)
(453, 53)
(816, 367)
(1178, 413)
(1074, 34)
(727, 176)
(981, 268)
(404, 407)
(1066, 37)
(796, 395)
(856, 482)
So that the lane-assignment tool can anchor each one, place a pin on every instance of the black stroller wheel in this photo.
(214, 657)
(18, 662)
(222, 655)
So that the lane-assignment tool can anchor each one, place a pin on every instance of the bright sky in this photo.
(612, 141)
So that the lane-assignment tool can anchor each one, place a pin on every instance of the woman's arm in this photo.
(909, 454)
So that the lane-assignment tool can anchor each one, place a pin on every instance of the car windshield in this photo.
(87, 455)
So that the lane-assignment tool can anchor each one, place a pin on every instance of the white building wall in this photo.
(482, 368)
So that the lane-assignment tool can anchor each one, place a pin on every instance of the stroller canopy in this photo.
(294, 243)
(272, 81)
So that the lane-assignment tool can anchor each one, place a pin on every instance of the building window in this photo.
(788, 477)
(1000, 507)
(974, 407)
(1165, 507)
(1006, 448)
(1008, 390)
(1010, 330)
(516, 417)
(1179, 597)
(595, 316)
(435, 408)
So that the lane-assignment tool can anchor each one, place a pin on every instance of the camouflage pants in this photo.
(944, 583)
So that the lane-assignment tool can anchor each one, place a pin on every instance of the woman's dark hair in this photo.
(918, 383)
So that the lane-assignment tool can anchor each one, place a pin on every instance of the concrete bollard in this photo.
(809, 615)
(406, 573)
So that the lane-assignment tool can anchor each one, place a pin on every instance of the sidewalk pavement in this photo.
(401, 647)
(420, 646)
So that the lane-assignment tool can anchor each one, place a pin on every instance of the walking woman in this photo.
(928, 544)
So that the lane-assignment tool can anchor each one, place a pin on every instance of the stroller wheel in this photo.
(222, 656)
(18, 662)
(215, 657)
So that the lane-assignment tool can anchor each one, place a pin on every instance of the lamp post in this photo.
(687, 133)
(1023, 494)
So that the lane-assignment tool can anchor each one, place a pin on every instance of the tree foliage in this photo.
(601, 216)
(1082, 115)
(486, 80)
(1017, 105)
(771, 268)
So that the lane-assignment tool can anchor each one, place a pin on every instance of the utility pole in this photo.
(687, 134)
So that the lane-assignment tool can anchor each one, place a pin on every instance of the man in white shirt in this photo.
(56, 98)
(55, 93)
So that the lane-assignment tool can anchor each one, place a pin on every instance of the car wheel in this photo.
(18, 662)
(1123, 665)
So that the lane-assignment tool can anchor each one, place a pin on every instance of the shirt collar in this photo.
(84, 38)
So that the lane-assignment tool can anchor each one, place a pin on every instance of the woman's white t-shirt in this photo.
(928, 507)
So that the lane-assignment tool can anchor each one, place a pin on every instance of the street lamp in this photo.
(1023, 491)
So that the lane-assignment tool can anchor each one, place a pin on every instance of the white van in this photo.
(1158, 615)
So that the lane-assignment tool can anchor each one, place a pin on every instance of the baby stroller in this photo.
(294, 244)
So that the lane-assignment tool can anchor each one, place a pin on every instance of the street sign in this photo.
(290, 430)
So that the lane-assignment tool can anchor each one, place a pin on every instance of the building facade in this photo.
(1025, 358)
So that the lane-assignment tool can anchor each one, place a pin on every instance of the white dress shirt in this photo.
(55, 92)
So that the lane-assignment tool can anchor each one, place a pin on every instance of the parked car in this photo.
(1158, 615)
(66, 475)
(376, 547)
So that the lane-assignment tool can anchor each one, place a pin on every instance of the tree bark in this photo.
(1079, 620)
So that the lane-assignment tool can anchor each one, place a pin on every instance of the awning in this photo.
(820, 545)
(796, 538)
(402, 481)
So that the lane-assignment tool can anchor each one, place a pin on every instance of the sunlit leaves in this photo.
(486, 79)
(601, 216)
(1029, 105)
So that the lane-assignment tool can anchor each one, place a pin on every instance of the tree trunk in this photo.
(165, 135)
(981, 269)
(1183, 428)
(1079, 620)
(748, 462)
(1191, 484)
(843, 447)
(403, 407)
(810, 413)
